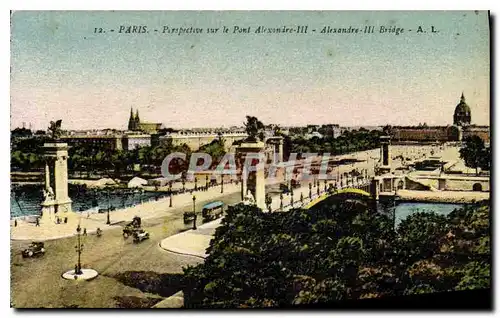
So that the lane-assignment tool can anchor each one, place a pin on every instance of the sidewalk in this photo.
(152, 209)
(191, 242)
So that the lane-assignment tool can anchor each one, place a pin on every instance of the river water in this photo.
(26, 199)
(405, 209)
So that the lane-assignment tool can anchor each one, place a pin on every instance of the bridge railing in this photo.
(317, 191)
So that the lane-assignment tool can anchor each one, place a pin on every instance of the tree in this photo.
(21, 132)
(475, 154)
(254, 129)
(216, 150)
(341, 248)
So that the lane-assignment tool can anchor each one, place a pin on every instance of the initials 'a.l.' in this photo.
(420, 30)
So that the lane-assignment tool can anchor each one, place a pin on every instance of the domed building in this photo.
(460, 130)
(461, 117)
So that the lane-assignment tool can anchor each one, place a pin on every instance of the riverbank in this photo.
(27, 230)
(442, 196)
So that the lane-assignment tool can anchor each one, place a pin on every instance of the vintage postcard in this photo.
(250, 159)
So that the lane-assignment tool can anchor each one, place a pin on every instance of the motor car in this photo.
(35, 249)
(140, 235)
(188, 217)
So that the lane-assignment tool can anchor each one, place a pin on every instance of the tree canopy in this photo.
(254, 129)
(475, 154)
(342, 249)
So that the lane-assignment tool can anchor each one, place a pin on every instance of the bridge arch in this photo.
(341, 191)
(399, 183)
(477, 187)
(353, 191)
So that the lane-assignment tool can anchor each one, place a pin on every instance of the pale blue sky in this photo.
(61, 69)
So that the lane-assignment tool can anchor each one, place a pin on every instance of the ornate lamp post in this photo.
(206, 182)
(291, 198)
(317, 191)
(222, 183)
(310, 191)
(281, 201)
(326, 187)
(194, 212)
(108, 221)
(301, 197)
(394, 212)
(79, 249)
(195, 184)
(170, 194)
(183, 184)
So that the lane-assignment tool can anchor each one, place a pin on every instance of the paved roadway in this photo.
(37, 282)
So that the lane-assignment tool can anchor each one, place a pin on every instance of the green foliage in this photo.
(420, 235)
(475, 154)
(349, 141)
(254, 128)
(475, 275)
(342, 249)
(27, 155)
(216, 150)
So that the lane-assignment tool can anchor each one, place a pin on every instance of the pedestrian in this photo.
(58, 220)
(65, 220)
(37, 222)
(84, 231)
(15, 222)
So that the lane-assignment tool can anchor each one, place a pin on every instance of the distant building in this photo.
(425, 133)
(462, 116)
(482, 132)
(107, 139)
(195, 139)
(135, 124)
(108, 142)
(133, 141)
(460, 130)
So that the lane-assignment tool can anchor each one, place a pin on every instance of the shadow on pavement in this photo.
(164, 285)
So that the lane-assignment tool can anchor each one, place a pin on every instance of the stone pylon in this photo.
(252, 182)
(56, 202)
(385, 154)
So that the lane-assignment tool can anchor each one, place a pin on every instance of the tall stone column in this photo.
(254, 181)
(280, 150)
(57, 202)
(385, 155)
(375, 188)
